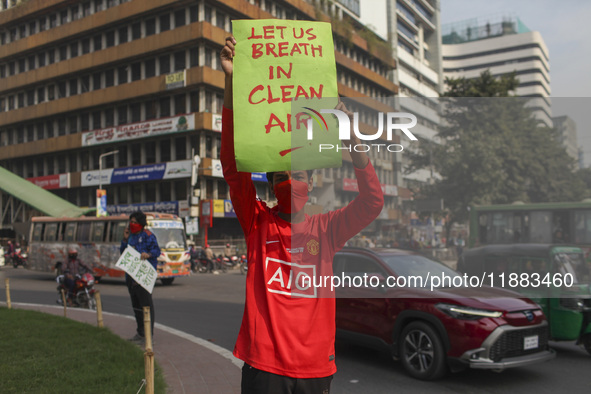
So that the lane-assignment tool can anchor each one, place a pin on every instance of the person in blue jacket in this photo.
(143, 241)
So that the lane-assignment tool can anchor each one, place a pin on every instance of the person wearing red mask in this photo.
(146, 244)
(287, 335)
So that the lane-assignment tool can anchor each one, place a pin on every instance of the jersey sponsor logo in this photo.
(291, 279)
(313, 247)
(295, 250)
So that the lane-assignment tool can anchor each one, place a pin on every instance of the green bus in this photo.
(540, 223)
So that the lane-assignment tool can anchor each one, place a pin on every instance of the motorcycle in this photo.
(84, 291)
(19, 258)
(243, 264)
(199, 263)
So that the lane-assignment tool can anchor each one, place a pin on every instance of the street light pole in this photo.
(99, 193)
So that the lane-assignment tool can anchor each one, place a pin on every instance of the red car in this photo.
(432, 329)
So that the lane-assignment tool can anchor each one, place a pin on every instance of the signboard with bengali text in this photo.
(140, 270)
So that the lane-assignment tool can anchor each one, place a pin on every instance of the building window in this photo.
(41, 59)
(63, 53)
(194, 56)
(136, 112)
(179, 18)
(164, 64)
(164, 107)
(150, 26)
(74, 49)
(180, 147)
(179, 61)
(164, 150)
(122, 115)
(180, 189)
(136, 71)
(50, 56)
(136, 31)
(109, 117)
(150, 149)
(98, 42)
(136, 154)
(150, 109)
(194, 14)
(109, 78)
(123, 35)
(165, 191)
(96, 120)
(72, 125)
(85, 83)
(164, 22)
(110, 39)
(61, 89)
(85, 46)
(122, 156)
(194, 98)
(180, 106)
(150, 192)
(96, 81)
(150, 66)
(85, 121)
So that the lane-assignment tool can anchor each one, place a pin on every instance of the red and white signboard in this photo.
(49, 182)
(139, 130)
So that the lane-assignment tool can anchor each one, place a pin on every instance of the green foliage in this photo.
(43, 353)
(493, 151)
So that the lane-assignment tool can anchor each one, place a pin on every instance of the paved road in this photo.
(210, 307)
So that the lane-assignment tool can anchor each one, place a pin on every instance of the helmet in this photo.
(227, 245)
(207, 246)
(72, 253)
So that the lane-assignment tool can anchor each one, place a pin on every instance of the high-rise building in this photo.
(502, 45)
(82, 79)
(414, 30)
(567, 135)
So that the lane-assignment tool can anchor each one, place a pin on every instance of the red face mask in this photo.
(291, 195)
(135, 228)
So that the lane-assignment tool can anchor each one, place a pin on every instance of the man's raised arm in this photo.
(242, 190)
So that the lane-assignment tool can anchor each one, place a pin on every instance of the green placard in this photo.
(279, 63)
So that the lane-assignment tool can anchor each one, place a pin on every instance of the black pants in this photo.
(255, 381)
(140, 298)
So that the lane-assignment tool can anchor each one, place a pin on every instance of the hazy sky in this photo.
(565, 26)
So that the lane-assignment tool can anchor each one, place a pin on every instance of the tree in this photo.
(492, 150)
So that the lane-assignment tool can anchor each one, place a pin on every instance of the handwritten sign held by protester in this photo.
(140, 270)
(279, 63)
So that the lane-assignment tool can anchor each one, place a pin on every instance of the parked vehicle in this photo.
(243, 264)
(84, 292)
(19, 257)
(557, 277)
(433, 330)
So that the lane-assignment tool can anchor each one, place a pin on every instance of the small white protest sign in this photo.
(140, 270)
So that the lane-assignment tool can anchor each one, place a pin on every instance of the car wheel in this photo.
(167, 281)
(587, 343)
(421, 351)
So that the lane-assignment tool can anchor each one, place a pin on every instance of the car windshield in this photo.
(170, 238)
(572, 263)
(418, 270)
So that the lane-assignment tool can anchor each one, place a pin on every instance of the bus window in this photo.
(540, 227)
(98, 230)
(61, 231)
(117, 229)
(500, 228)
(50, 232)
(83, 234)
(583, 227)
(70, 232)
(37, 232)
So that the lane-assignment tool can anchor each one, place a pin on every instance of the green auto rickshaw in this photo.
(555, 276)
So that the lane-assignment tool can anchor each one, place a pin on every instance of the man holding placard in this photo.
(288, 330)
(145, 243)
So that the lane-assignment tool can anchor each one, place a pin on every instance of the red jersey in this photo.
(288, 326)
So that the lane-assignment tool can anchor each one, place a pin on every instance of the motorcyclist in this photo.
(10, 253)
(228, 251)
(73, 267)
